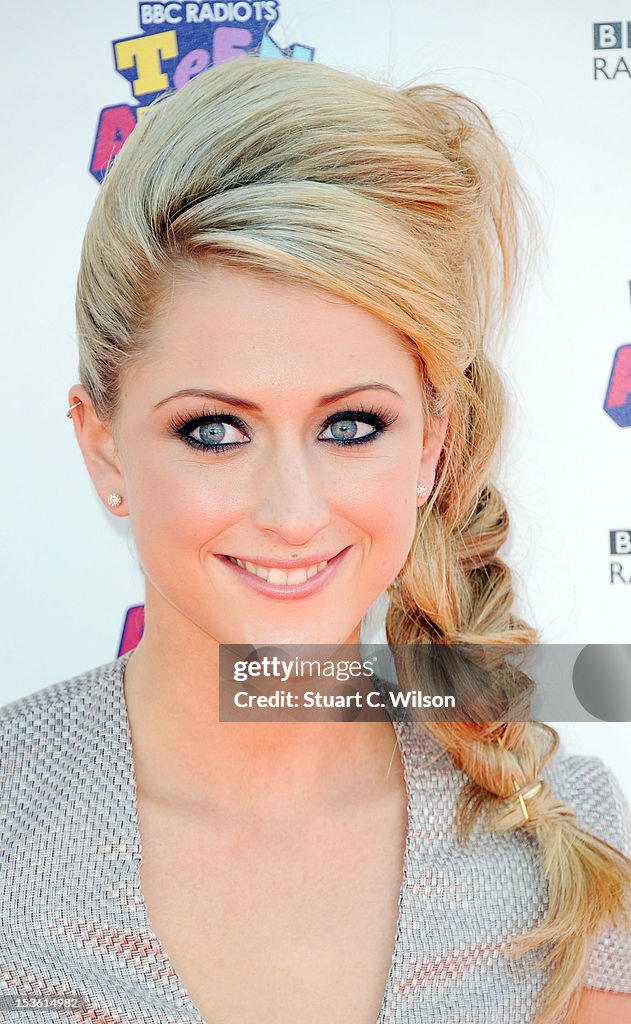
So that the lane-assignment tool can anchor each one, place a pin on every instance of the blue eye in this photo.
(346, 430)
(212, 430)
(212, 433)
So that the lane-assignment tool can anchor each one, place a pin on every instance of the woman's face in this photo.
(295, 473)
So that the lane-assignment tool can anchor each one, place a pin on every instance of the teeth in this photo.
(278, 576)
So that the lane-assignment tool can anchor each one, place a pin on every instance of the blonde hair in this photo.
(405, 202)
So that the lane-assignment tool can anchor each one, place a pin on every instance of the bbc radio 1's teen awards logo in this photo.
(177, 41)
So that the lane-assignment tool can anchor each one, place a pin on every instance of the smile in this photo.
(277, 576)
(287, 585)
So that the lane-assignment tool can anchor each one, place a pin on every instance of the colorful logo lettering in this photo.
(178, 40)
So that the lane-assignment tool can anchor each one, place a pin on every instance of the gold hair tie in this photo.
(522, 796)
(523, 793)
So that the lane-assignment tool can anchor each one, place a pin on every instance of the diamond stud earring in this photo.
(114, 499)
(421, 490)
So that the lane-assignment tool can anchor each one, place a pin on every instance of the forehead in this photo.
(254, 329)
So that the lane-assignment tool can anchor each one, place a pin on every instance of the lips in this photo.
(286, 564)
(289, 589)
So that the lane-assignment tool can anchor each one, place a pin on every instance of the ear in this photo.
(98, 448)
(435, 430)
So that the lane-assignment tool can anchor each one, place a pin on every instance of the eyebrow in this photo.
(242, 403)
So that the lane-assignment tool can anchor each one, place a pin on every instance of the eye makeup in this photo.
(183, 425)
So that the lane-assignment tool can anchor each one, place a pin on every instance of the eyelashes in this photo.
(183, 426)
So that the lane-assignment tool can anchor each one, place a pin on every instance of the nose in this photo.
(289, 498)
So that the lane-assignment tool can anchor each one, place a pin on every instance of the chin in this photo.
(306, 635)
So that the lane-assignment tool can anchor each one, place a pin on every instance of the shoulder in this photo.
(582, 782)
(52, 697)
(594, 793)
(492, 884)
(65, 799)
(587, 785)
(46, 727)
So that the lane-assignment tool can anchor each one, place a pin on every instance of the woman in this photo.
(308, 266)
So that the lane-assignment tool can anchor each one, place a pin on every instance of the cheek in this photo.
(386, 512)
(176, 508)
(391, 523)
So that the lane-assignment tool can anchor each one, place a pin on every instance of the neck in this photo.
(184, 754)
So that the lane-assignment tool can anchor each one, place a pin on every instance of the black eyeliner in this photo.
(182, 425)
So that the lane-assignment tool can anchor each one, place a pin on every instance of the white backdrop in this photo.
(563, 106)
